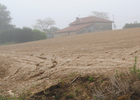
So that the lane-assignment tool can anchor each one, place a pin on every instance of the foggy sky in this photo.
(25, 12)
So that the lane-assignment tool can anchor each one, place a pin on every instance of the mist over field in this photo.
(24, 13)
(69, 50)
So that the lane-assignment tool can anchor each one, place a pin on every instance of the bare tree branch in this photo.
(103, 15)
(43, 25)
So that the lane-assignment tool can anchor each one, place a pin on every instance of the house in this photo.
(85, 25)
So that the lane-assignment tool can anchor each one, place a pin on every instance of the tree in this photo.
(103, 15)
(43, 25)
(18, 35)
(38, 35)
(5, 18)
(50, 31)
(131, 25)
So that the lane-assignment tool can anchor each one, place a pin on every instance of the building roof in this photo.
(83, 22)
(90, 19)
(73, 28)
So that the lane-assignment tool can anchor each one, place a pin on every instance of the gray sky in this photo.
(25, 12)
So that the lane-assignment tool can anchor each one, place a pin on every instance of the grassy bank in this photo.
(119, 86)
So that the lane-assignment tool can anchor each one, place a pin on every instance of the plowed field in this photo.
(25, 65)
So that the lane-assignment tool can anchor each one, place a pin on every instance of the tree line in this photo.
(18, 35)
(131, 25)
(11, 34)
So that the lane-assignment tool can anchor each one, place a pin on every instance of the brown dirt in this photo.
(44, 63)
(94, 87)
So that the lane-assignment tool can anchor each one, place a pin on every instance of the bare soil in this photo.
(39, 65)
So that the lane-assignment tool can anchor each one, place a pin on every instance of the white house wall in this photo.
(102, 26)
(87, 29)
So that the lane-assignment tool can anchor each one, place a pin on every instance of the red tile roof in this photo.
(90, 19)
(73, 28)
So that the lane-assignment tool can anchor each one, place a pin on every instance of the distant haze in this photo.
(25, 12)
